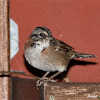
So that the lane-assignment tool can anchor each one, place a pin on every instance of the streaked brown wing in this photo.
(61, 45)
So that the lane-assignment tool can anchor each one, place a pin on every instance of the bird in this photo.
(49, 54)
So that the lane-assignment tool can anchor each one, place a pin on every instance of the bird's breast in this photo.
(46, 58)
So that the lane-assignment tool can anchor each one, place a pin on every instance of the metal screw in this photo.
(52, 97)
(99, 97)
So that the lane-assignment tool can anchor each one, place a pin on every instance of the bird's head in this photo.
(41, 33)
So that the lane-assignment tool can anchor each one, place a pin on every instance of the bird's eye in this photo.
(42, 34)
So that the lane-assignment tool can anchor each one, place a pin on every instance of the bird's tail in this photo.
(83, 55)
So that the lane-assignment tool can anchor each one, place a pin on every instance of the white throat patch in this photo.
(41, 45)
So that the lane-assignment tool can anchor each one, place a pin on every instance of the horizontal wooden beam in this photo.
(26, 89)
(71, 91)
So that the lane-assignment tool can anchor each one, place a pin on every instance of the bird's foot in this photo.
(42, 80)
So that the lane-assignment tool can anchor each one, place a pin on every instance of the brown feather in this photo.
(28, 43)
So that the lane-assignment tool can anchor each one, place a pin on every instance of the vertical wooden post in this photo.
(4, 48)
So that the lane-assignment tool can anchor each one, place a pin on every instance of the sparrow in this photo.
(49, 54)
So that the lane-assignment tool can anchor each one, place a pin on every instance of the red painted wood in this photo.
(76, 22)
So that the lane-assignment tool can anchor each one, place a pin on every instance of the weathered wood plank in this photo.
(26, 89)
(71, 91)
(4, 48)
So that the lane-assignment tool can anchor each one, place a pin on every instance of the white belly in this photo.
(37, 60)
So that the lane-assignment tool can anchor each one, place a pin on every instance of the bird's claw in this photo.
(42, 80)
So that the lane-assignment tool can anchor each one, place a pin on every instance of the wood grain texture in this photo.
(26, 89)
(4, 48)
(71, 91)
